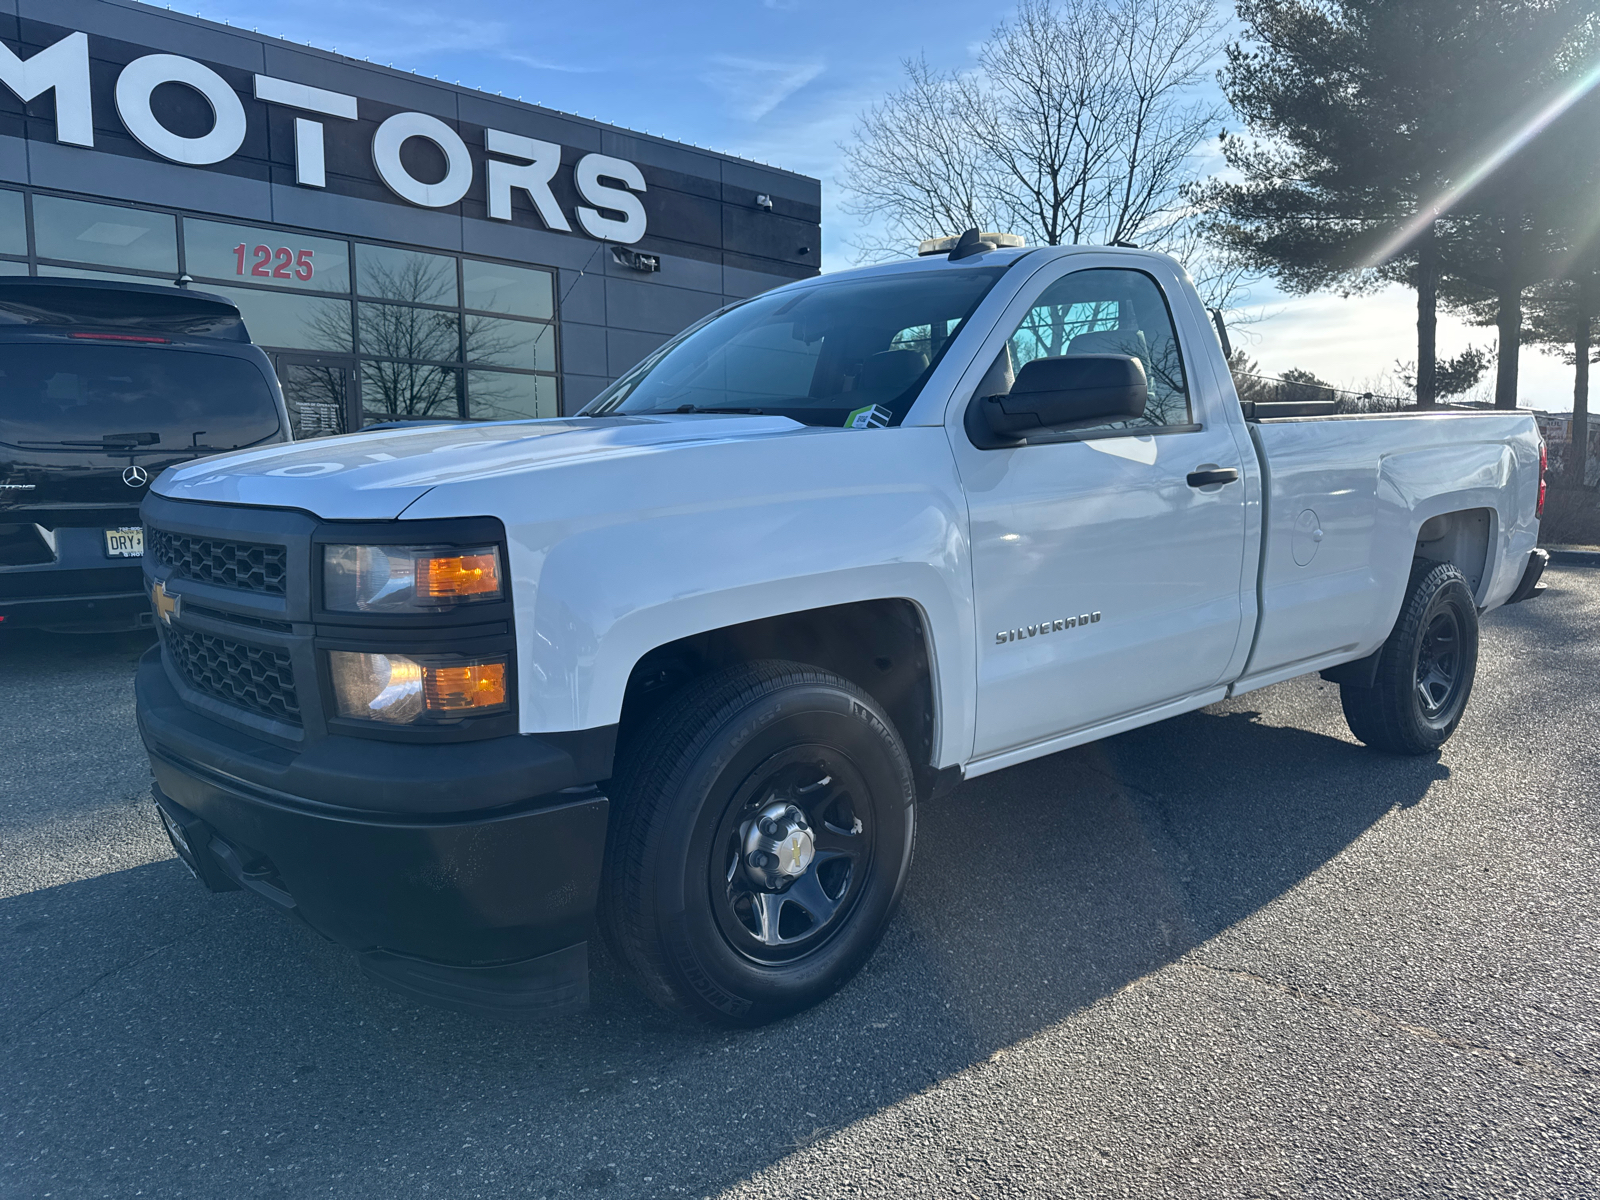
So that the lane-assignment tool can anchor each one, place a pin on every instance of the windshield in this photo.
(126, 398)
(855, 352)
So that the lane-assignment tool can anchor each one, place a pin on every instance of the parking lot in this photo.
(1233, 954)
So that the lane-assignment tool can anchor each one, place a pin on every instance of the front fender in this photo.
(611, 558)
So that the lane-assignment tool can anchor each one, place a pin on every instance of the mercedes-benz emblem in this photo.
(135, 476)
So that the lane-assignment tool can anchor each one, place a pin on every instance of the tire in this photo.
(718, 915)
(1425, 668)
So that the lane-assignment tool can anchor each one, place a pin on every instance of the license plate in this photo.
(127, 542)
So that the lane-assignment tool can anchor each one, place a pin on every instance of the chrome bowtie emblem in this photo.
(135, 476)
(167, 605)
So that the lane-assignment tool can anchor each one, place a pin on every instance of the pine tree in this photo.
(1562, 314)
(1364, 115)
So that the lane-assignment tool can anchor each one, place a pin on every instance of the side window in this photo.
(1104, 311)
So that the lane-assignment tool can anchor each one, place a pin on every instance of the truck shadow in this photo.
(142, 1012)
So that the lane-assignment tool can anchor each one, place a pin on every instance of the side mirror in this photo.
(1054, 393)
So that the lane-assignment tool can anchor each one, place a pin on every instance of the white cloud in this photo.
(540, 64)
(754, 87)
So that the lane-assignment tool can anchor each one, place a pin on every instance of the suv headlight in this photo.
(406, 689)
(402, 579)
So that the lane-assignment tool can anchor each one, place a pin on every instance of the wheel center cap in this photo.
(796, 852)
(779, 845)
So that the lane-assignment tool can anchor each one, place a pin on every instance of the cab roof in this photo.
(49, 305)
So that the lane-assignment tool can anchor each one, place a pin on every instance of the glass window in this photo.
(408, 275)
(517, 291)
(501, 396)
(315, 395)
(498, 343)
(1104, 311)
(390, 390)
(113, 276)
(267, 256)
(819, 354)
(13, 268)
(13, 224)
(105, 235)
(292, 322)
(67, 394)
(397, 331)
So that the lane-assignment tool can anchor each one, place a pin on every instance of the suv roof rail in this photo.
(49, 302)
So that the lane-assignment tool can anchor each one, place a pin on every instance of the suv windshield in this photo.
(854, 352)
(82, 397)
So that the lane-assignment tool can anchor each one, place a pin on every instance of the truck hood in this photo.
(376, 476)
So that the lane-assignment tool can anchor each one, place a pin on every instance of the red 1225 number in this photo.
(273, 264)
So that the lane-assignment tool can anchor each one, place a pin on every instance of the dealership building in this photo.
(399, 246)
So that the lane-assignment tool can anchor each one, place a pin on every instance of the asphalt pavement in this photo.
(1235, 954)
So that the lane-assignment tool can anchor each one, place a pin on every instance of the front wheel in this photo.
(1425, 669)
(763, 830)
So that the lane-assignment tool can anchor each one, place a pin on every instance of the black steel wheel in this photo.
(1425, 668)
(1438, 672)
(796, 849)
(761, 833)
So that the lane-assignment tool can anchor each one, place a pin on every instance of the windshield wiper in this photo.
(109, 441)
(693, 408)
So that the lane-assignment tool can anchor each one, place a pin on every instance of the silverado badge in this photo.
(1051, 626)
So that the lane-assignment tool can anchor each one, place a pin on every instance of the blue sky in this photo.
(781, 81)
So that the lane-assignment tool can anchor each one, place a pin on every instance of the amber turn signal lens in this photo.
(458, 575)
(474, 685)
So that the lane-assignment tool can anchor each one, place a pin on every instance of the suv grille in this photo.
(252, 677)
(248, 566)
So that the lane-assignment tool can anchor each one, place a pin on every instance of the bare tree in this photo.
(919, 163)
(1079, 125)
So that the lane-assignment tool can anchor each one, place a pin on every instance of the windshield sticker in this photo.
(874, 416)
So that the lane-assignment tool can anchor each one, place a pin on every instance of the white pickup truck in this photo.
(684, 665)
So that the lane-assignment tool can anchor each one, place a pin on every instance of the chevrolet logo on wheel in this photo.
(167, 605)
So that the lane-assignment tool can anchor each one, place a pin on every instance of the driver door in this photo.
(1105, 583)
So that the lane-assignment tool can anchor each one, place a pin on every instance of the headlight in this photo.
(403, 689)
(401, 579)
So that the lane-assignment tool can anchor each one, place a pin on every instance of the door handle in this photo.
(1213, 475)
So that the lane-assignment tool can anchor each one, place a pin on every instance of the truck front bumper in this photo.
(487, 911)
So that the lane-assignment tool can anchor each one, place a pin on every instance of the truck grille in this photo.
(252, 677)
(247, 566)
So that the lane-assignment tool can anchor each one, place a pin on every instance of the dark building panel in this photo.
(655, 308)
(400, 90)
(772, 181)
(580, 389)
(625, 348)
(582, 293)
(136, 24)
(583, 349)
(697, 274)
(70, 169)
(13, 159)
(525, 120)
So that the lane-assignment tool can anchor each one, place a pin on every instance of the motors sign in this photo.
(512, 163)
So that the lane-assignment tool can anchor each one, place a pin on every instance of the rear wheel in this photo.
(1425, 669)
(763, 830)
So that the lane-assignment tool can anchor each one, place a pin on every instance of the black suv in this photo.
(103, 386)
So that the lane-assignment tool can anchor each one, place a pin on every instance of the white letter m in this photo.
(63, 67)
